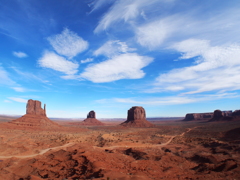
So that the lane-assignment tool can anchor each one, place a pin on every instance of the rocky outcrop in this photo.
(219, 115)
(236, 113)
(91, 114)
(91, 120)
(137, 118)
(35, 116)
(34, 107)
(198, 116)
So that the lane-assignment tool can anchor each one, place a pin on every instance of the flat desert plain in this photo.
(169, 150)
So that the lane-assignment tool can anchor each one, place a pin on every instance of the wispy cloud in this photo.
(125, 11)
(113, 48)
(98, 4)
(20, 54)
(167, 100)
(68, 43)
(215, 68)
(162, 31)
(86, 60)
(21, 100)
(19, 89)
(5, 79)
(125, 66)
(57, 63)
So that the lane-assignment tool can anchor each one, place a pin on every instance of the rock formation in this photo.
(219, 115)
(236, 113)
(91, 120)
(91, 114)
(198, 116)
(35, 116)
(34, 108)
(137, 118)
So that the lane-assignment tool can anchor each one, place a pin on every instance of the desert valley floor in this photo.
(170, 150)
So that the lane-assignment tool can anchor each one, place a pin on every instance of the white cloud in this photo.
(57, 63)
(7, 101)
(126, 11)
(125, 66)
(153, 34)
(19, 89)
(216, 68)
(5, 79)
(21, 100)
(113, 48)
(98, 4)
(86, 60)
(20, 54)
(68, 43)
(167, 100)
(163, 31)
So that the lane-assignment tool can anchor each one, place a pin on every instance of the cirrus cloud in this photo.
(216, 68)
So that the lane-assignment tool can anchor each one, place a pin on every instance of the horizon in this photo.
(168, 56)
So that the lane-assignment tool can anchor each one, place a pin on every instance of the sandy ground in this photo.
(171, 150)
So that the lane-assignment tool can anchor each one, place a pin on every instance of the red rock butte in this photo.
(35, 116)
(91, 120)
(137, 118)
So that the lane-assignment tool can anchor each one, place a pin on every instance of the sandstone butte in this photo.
(136, 118)
(35, 116)
(91, 120)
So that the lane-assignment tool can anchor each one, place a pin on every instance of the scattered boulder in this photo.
(91, 120)
(35, 116)
(137, 118)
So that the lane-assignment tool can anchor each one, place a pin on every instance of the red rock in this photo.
(219, 115)
(35, 116)
(198, 116)
(91, 120)
(137, 118)
(34, 107)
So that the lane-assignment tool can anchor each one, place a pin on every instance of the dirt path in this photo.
(40, 153)
(150, 145)
(109, 147)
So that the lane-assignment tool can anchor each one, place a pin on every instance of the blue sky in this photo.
(172, 57)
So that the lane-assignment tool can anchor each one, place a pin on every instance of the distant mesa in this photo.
(35, 116)
(137, 118)
(91, 120)
(198, 116)
(219, 115)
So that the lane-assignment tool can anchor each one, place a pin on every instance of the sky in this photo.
(171, 57)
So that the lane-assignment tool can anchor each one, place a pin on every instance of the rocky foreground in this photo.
(168, 151)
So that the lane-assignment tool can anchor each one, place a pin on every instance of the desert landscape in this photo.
(33, 147)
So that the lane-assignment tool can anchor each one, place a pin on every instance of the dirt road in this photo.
(40, 153)
(109, 147)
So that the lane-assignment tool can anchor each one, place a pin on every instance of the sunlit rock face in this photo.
(34, 107)
(35, 116)
(136, 118)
